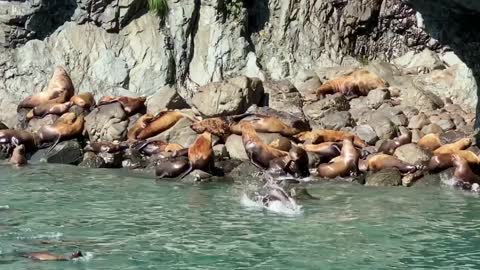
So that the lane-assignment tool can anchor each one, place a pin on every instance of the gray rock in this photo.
(307, 82)
(415, 61)
(418, 121)
(336, 102)
(366, 133)
(283, 96)
(412, 154)
(180, 133)
(360, 114)
(458, 120)
(220, 151)
(415, 95)
(400, 120)
(416, 135)
(107, 123)
(384, 128)
(230, 97)
(359, 102)
(432, 128)
(333, 120)
(91, 160)
(66, 152)
(243, 171)
(165, 98)
(235, 147)
(410, 111)
(112, 160)
(384, 178)
(376, 97)
(445, 124)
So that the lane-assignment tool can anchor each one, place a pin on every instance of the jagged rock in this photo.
(384, 128)
(412, 154)
(432, 128)
(107, 123)
(283, 96)
(307, 82)
(366, 133)
(400, 120)
(416, 96)
(418, 121)
(376, 97)
(91, 160)
(165, 98)
(336, 102)
(413, 62)
(66, 152)
(410, 111)
(230, 97)
(112, 160)
(333, 120)
(416, 135)
(384, 178)
(445, 124)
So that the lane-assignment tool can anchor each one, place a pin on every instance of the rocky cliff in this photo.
(118, 47)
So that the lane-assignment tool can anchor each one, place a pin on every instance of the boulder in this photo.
(445, 124)
(432, 128)
(336, 102)
(307, 82)
(400, 120)
(384, 128)
(91, 160)
(416, 135)
(235, 147)
(112, 160)
(377, 97)
(412, 154)
(366, 133)
(384, 178)
(66, 152)
(333, 120)
(418, 121)
(180, 133)
(416, 96)
(283, 96)
(230, 97)
(165, 98)
(107, 123)
(425, 59)
(243, 171)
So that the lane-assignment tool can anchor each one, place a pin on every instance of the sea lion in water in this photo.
(200, 154)
(430, 142)
(18, 156)
(378, 162)
(163, 121)
(326, 151)
(139, 125)
(16, 137)
(84, 100)
(131, 105)
(265, 124)
(172, 167)
(49, 108)
(345, 165)
(67, 126)
(45, 256)
(60, 89)
(295, 164)
(357, 83)
(325, 135)
(259, 153)
(389, 147)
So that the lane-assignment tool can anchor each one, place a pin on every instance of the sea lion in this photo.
(59, 90)
(388, 147)
(16, 137)
(452, 148)
(325, 135)
(440, 162)
(131, 105)
(218, 126)
(462, 170)
(172, 167)
(45, 256)
(326, 151)
(295, 164)
(67, 126)
(357, 83)
(265, 124)
(139, 125)
(345, 165)
(200, 154)
(161, 122)
(430, 142)
(49, 108)
(156, 147)
(259, 153)
(381, 161)
(18, 156)
(84, 100)
(106, 147)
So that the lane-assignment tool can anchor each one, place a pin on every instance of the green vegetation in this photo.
(160, 7)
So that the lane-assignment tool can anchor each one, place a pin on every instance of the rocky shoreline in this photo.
(381, 112)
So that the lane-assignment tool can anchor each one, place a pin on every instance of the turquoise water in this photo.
(125, 222)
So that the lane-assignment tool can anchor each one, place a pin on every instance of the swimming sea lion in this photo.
(139, 125)
(59, 90)
(172, 167)
(84, 100)
(325, 135)
(357, 83)
(430, 142)
(345, 165)
(49, 108)
(452, 148)
(378, 162)
(259, 153)
(18, 156)
(45, 256)
(16, 137)
(200, 154)
(67, 126)
(131, 105)
(389, 147)
(265, 124)
(163, 121)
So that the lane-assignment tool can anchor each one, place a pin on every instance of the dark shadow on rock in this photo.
(52, 15)
(258, 14)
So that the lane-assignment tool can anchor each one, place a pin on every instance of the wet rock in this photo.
(36, 123)
(107, 123)
(410, 179)
(445, 124)
(418, 121)
(229, 97)
(428, 180)
(412, 154)
(376, 97)
(400, 120)
(165, 98)
(366, 133)
(416, 135)
(112, 160)
(66, 152)
(220, 151)
(283, 96)
(91, 160)
(244, 170)
(432, 128)
(235, 147)
(384, 178)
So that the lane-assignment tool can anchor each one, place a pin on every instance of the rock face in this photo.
(107, 123)
(67, 152)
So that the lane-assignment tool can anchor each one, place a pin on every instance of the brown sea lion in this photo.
(141, 123)
(131, 105)
(430, 142)
(163, 121)
(156, 147)
(259, 153)
(45, 256)
(59, 90)
(265, 124)
(16, 137)
(325, 135)
(357, 83)
(294, 164)
(440, 162)
(18, 156)
(379, 162)
(462, 170)
(200, 154)
(49, 108)
(326, 150)
(452, 148)
(345, 165)
(218, 126)
(84, 100)
(67, 126)
(172, 167)
(389, 147)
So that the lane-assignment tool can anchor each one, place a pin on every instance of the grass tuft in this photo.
(160, 7)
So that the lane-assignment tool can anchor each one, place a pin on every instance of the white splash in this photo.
(87, 256)
(4, 207)
(290, 208)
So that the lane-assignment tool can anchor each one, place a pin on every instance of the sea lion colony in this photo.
(339, 153)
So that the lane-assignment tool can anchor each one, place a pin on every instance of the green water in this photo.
(126, 222)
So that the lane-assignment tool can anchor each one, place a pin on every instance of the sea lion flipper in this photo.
(54, 144)
(187, 172)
